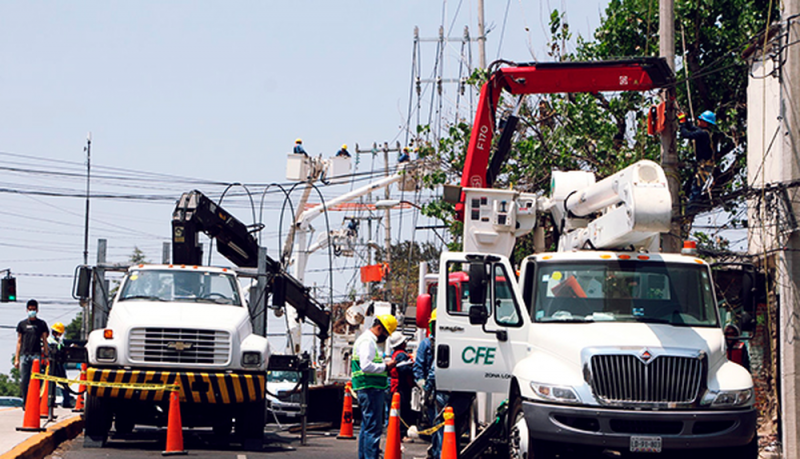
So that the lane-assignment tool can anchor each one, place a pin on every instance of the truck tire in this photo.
(748, 451)
(124, 422)
(520, 444)
(97, 421)
(222, 425)
(250, 424)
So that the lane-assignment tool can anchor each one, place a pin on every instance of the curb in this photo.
(42, 444)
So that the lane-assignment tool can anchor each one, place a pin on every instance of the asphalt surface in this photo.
(200, 443)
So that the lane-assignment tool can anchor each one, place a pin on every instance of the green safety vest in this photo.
(363, 380)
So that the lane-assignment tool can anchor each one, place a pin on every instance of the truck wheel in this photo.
(250, 424)
(97, 421)
(123, 423)
(518, 437)
(748, 451)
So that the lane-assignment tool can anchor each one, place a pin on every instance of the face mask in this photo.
(32, 314)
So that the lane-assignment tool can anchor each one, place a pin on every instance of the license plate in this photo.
(645, 444)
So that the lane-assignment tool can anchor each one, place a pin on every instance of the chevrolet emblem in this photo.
(179, 345)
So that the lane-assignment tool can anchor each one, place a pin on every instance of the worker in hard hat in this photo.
(343, 152)
(370, 374)
(424, 374)
(57, 368)
(298, 148)
(405, 155)
(401, 377)
(704, 150)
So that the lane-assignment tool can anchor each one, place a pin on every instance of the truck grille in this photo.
(627, 379)
(178, 345)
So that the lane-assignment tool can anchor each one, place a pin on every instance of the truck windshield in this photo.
(178, 285)
(652, 292)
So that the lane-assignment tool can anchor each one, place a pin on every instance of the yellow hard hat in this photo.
(388, 321)
(58, 327)
(298, 140)
(405, 148)
(344, 147)
(433, 316)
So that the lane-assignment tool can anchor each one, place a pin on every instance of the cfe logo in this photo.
(484, 355)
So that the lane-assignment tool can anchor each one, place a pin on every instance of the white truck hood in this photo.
(627, 336)
(136, 313)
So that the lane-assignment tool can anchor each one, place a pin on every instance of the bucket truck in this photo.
(189, 324)
(606, 344)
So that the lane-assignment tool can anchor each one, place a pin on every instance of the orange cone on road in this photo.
(346, 429)
(449, 445)
(30, 422)
(43, 403)
(393, 431)
(81, 390)
(174, 427)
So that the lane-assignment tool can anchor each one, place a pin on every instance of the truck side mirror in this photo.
(279, 291)
(740, 284)
(478, 315)
(477, 283)
(81, 282)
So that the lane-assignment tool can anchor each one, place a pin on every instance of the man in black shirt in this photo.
(31, 334)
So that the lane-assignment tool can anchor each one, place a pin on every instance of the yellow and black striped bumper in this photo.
(224, 388)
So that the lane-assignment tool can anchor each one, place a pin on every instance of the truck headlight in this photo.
(107, 353)
(563, 394)
(251, 359)
(732, 398)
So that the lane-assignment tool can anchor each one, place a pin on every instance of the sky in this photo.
(182, 95)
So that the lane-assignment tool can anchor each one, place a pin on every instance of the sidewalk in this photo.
(14, 443)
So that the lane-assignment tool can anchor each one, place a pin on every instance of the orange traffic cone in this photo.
(45, 399)
(174, 427)
(346, 429)
(393, 431)
(449, 445)
(81, 390)
(30, 422)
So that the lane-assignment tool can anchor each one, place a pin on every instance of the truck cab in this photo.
(178, 325)
(597, 349)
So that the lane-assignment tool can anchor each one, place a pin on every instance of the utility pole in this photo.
(669, 152)
(84, 302)
(388, 225)
(481, 36)
(789, 269)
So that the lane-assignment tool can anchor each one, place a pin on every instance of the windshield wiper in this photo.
(569, 320)
(142, 297)
(652, 320)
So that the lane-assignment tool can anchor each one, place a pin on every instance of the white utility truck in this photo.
(605, 344)
(184, 325)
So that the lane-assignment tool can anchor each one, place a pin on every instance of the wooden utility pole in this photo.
(671, 242)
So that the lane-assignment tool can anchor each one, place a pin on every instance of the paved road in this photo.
(148, 443)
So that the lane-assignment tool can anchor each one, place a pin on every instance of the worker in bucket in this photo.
(370, 374)
(298, 148)
(343, 153)
(704, 150)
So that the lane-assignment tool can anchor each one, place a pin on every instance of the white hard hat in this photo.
(397, 339)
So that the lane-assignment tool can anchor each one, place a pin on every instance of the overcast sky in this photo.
(181, 95)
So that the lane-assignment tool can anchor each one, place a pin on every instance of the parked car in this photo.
(283, 393)
(11, 401)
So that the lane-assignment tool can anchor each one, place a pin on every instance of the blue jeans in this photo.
(371, 402)
(25, 367)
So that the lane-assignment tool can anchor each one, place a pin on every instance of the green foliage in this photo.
(73, 330)
(406, 257)
(9, 383)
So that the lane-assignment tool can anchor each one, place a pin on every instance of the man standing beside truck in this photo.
(31, 334)
(370, 381)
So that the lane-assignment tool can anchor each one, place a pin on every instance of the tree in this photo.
(406, 257)
(9, 384)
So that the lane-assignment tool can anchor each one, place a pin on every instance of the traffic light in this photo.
(9, 289)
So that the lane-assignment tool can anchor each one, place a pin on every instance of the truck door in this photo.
(474, 356)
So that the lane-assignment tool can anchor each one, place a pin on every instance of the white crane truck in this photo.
(606, 344)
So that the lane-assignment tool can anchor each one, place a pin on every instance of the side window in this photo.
(506, 310)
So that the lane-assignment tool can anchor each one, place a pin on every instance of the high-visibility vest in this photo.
(363, 380)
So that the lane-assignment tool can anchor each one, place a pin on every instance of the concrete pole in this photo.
(481, 36)
(100, 298)
(789, 268)
(671, 242)
(388, 225)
